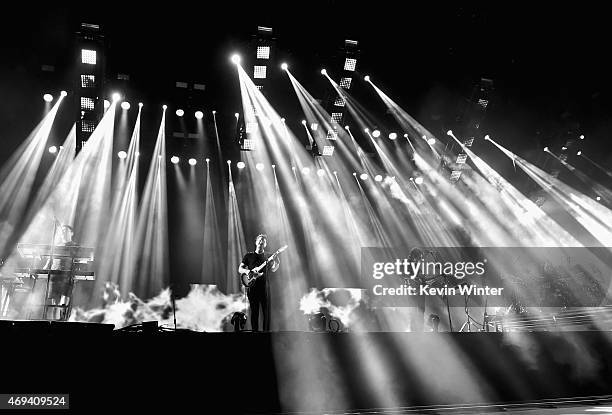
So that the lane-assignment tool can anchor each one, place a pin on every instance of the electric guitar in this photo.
(248, 278)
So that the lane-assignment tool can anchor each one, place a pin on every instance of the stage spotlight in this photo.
(306, 170)
(164, 107)
(116, 96)
(235, 59)
(431, 141)
(418, 180)
(392, 136)
(323, 72)
(334, 325)
(174, 159)
(449, 132)
(363, 176)
(122, 154)
(180, 112)
(259, 166)
(579, 153)
(366, 78)
(581, 136)
(64, 93)
(328, 150)
(321, 172)
(48, 97)
(284, 66)
(240, 164)
(238, 321)
(378, 178)
(199, 115)
(546, 149)
(125, 105)
(52, 149)
(106, 104)
(192, 162)
(375, 133)
(317, 322)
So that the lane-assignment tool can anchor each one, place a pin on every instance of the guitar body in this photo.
(248, 280)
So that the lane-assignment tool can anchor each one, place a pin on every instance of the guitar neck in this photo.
(259, 267)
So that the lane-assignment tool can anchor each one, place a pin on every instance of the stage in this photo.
(421, 227)
(300, 371)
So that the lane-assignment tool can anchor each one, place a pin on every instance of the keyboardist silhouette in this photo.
(60, 287)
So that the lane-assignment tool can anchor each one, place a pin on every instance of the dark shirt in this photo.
(253, 259)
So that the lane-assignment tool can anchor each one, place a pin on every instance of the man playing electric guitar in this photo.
(258, 289)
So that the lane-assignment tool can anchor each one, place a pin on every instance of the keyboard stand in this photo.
(29, 302)
(66, 308)
(46, 297)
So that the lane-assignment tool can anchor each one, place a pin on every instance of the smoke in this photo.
(205, 308)
(338, 302)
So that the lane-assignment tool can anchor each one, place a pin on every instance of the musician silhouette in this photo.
(417, 313)
(60, 286)
(259, 292)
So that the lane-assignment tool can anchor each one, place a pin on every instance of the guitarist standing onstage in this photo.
(258, 293)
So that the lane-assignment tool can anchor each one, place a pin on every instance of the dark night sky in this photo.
(549, 65)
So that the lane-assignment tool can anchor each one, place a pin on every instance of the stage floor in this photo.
(583, 405)
(308, 372)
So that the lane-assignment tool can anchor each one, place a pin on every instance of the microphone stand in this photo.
(450, 321)
(485, 320)
(173, 305)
